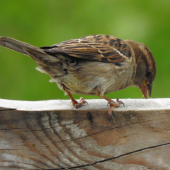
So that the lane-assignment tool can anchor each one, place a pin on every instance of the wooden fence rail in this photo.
(53, 135)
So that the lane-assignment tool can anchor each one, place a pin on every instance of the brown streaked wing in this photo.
(102, 48)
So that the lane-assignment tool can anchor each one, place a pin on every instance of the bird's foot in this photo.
(79, 103)
(112, 106)
(119, 102)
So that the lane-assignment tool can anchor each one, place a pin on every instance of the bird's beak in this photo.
(146, 87)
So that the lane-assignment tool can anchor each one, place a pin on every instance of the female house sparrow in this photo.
(92, 65)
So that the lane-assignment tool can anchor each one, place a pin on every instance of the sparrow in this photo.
(92, 65)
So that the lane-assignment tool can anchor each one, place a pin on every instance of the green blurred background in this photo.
(46, 22)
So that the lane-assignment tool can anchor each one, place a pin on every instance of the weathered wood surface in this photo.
(53, 135)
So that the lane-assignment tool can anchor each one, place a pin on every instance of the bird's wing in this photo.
(101, 48)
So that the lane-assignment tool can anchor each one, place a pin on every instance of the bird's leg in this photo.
(80, 103)
(75, 103)
(112, 104)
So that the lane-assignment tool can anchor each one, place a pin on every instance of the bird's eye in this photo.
(148, 74)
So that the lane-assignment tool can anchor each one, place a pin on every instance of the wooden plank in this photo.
(53, 135)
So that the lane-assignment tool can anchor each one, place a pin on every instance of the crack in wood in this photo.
(117, 157)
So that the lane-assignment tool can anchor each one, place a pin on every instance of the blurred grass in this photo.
(50, 21)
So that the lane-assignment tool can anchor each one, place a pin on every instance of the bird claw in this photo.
(112, 106)
(79, 103)
(120, 102)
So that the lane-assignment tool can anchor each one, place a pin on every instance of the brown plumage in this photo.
(95, 48)
(92, 65)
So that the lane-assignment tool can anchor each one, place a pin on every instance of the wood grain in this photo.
(53, 135)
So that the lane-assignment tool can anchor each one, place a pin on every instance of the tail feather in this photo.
(35, 53)
(48, 64)
(17, 45)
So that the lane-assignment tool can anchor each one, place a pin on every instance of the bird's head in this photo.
(145, 68)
